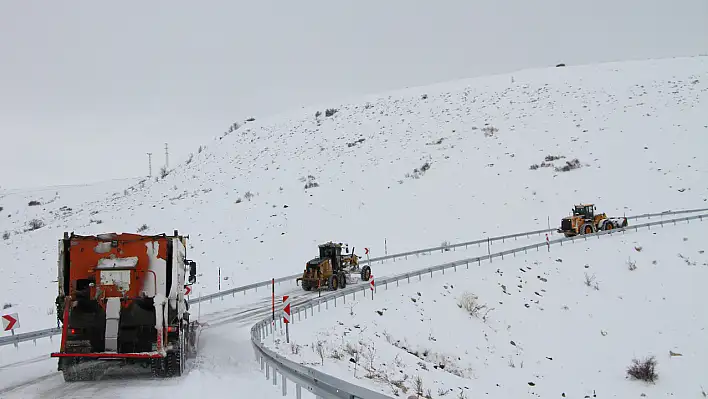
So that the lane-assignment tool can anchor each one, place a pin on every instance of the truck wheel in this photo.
(306, 285)
(587, 229)
(74, 371)
(175, 358)
(342, 280)
(158, 367)
(333, 283)
(609, 226)
(365, 273)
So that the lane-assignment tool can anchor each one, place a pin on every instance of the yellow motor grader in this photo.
(332, 270)
(583, 220)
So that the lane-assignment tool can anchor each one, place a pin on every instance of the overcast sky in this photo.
(88, 87)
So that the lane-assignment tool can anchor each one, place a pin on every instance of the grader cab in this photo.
(331, 269)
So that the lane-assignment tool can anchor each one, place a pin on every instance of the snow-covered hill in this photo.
(560, 324)
(404, 170)
(19, 207)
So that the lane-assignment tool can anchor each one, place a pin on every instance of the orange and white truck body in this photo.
(122, 296)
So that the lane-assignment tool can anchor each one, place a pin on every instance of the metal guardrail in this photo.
(326, 386)
(29, 336)
(49, 332)
(430, 250)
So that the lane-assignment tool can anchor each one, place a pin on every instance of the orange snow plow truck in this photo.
(122, 299)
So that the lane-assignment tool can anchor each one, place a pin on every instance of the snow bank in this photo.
(564, 323)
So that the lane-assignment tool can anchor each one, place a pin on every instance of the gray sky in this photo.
(87, 87)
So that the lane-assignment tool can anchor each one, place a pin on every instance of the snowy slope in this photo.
(50, 204)
(561, 324)
(637, 128)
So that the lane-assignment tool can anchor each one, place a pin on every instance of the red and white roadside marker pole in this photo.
(371, 286)
(10, 322)
(286, 316)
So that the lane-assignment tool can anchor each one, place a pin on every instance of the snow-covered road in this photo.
(225, 361)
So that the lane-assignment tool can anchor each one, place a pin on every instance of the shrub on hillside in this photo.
(469, 302)
(644, 370)
(311, 182)
(489, 131)
(6, 235)
(330, 111)
(142, 228)
(551, 158)
(1, 208)
(164, 172)
(35, 224)
(418, 172)
(569, 165)
(631, 264)
(34, 203)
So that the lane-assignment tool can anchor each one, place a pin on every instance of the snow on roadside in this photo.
(561, 324)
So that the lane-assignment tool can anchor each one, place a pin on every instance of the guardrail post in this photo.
(285, 384)
(275, 376)
(267, 371)
(298, 391)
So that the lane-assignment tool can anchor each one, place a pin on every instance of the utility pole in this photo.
(167, 157)
(150, 164)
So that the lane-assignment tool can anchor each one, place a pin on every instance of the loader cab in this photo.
(584, 210)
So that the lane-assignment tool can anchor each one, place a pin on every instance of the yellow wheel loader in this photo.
(583, 220)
